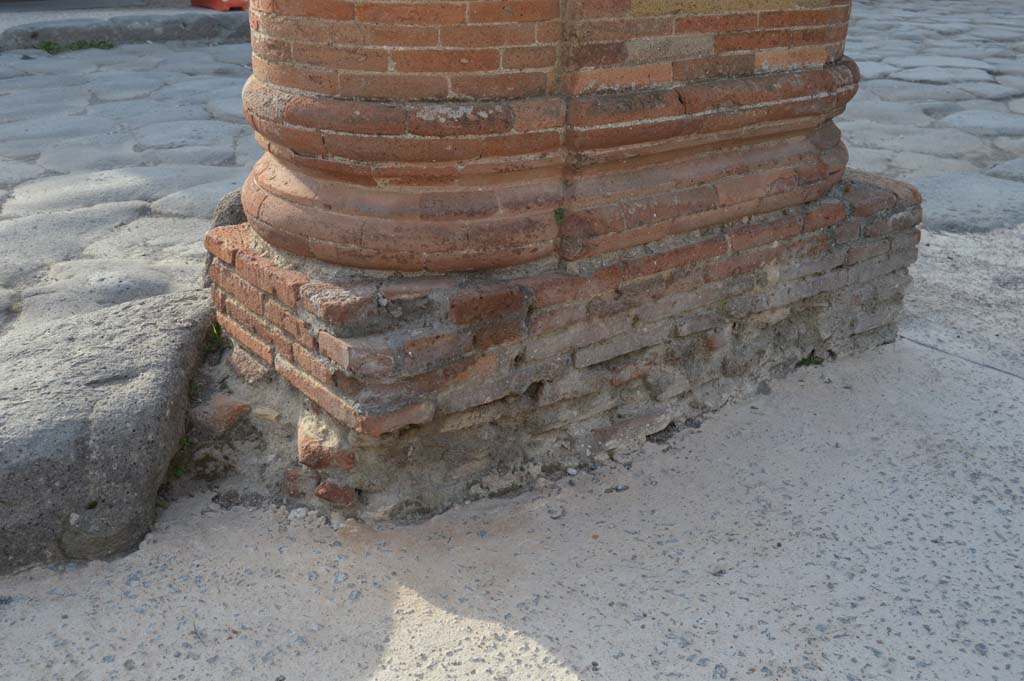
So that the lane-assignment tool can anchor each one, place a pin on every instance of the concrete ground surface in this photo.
(863, 521)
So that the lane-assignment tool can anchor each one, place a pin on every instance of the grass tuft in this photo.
(51, 47)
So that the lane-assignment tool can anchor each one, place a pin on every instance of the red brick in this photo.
(339, 304)
(314, 365)
(477, 304)
(444, 61)
(225, 242)
(425, 13)
(422, 352)
(824, 214)
(281, 317)
(332, 403)
(337, 494)
(499, 333)
(252, 343)
(389, 422)
(359, 356)
(502, 11)
(487, 36)
(268, 276)
(759, 234)
(300, 481)
(248, 294)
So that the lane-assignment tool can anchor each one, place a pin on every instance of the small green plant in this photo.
(56, 48)
(559, 216)
(215, 339)
(811, 360)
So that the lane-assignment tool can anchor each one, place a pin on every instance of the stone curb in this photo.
(218, 27)
(92, 409)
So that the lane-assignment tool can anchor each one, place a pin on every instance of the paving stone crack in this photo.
(966, 359)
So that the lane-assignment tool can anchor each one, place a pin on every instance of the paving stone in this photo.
(13, 172)
(39, 63)
(230, 53)
(911, 165)
(1014, 82)
(200, 89)
(112, 86)
(141, 112)
(201, 200)
(54, 126)
(171, 134)
(903, 91)
(202, 65)
(870, 70)
(942, 76)
(928, 60)
(37, 240)
(987, 122)
(1008, 66)
(891, 113)
(107, 186)
(43, 102)
(226, 109)
(103, 152)
(1014, 146)
(871, 160)
(160, 239)
(247, 151)
(1001, 34)
(932, 141)
(1009, 170)
(30, 82)
(77, 287)
(974, 105)
(971, 202)
(989, 91)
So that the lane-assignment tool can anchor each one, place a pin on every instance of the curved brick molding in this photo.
(443, 136)
(490, 238)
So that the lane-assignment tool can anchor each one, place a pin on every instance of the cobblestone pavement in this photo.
(942, 106)
(111, 162)
(862, 522)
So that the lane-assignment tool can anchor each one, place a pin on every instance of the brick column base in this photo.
(423, 391)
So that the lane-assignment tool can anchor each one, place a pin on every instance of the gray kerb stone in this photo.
(92, 409)
(223, 27)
